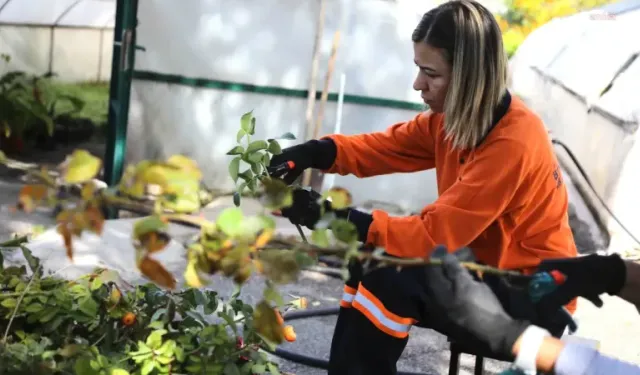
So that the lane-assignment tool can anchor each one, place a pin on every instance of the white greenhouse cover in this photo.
(595, 44)
(72, 13)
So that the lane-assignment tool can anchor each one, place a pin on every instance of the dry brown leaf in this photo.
(153, 270)
(154, 241)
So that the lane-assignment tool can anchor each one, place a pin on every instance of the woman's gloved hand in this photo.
(471, 305)
(588, 277)
(306, 210)
(317, 154)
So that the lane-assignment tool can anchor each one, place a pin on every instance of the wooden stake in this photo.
(323, 99)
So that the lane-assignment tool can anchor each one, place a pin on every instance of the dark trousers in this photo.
(372, 328)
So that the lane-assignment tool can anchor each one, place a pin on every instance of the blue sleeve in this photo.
(577, 359)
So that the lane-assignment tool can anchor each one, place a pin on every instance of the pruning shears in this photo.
(540, 284)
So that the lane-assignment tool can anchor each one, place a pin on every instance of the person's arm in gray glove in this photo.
(473, 306)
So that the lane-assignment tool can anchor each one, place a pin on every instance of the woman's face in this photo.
(433, 75)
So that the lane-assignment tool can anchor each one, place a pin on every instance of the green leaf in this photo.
(287, 135)
(234, 168)
(34, 307)
(238, 150)
(274, 147)
(344, 230)
(88, 306)
(9, 303)
(154, 340)
(96, 284)
(229, 220)
(256, 168)
(320, 237)
(266, 160)
(247, 123)
(71, 350)
(83, 367)
(271, 294)
(118, 371)
(240, 135)
(148, 366)
(232, 369)
(149, 224)
(246, 175)
(253, 185)
(256, 146)
(258, 368)
(273, 369)
(277, 194)
(256, 157)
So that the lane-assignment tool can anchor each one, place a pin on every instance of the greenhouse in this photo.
(71, 38)
(582, 75)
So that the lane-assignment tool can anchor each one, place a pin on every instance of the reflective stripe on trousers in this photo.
(375, 311)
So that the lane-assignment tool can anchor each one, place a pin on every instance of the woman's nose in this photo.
(420, 84)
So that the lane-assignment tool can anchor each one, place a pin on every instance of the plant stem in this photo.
(15, 241)
(277, 242)
(15, 310)
(18, 294)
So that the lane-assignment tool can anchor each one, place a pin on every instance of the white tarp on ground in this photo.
(582, 76)
(72, 38)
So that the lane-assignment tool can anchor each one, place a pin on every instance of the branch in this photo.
(278, 242)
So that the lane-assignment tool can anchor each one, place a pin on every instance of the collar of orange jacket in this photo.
(498, 113)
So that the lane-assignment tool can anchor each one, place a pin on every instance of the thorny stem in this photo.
(278, 242)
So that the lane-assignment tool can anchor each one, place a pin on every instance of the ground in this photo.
(616, 325)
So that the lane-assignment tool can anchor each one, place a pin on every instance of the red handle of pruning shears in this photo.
(281, 169)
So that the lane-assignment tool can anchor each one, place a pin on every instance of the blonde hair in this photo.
(471, 40)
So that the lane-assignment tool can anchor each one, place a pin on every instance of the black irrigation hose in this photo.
(308, 360)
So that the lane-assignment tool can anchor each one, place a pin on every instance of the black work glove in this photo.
(306, 210)
(317, 154)
(588, 277)
(471, 305)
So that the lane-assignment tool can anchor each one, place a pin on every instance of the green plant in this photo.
(91, 325)
(27, 100)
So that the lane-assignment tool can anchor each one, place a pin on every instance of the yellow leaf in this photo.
(186, 164)
(192, 277)
(154, 271)
(30, 195)
(264, 238)
(88, 190)
(340, 198)
(82, 167)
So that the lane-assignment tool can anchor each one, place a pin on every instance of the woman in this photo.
(499, 183)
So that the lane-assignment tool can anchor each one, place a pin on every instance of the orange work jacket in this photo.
(505, 199)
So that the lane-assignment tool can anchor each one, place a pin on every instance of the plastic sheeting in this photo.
(72, 38)
(74, 13)
(579, 74)
(252, 42)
